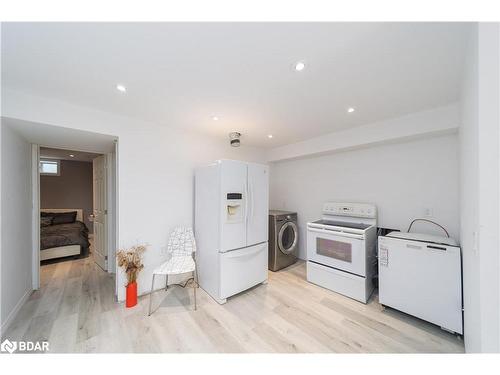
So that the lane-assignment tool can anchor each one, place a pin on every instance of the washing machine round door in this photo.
(288, 237)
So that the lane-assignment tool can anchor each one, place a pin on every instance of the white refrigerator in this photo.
(231, 226)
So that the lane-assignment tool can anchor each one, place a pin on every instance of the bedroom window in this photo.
(49, 167)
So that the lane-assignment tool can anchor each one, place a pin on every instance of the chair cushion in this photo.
(176, 265)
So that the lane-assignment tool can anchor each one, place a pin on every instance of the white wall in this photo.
(155, 169)
(401, 179)
(435, 121)
(480, 166)
(489, 186)
(16, 242)
(156, 180)
(469, 198)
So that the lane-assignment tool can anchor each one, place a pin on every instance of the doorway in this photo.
(75, 192)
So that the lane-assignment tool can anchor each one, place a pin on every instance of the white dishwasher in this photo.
(421, 275)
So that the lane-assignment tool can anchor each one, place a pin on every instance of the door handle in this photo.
(436, 247)
(250, 196)
(246, 203)
(332, 233)
(253, 252)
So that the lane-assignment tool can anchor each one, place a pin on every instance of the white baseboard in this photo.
(7, 322)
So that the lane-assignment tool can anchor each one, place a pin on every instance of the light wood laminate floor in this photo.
(75, 310)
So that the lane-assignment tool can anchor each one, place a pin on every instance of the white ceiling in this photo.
(61, 154)
(62, 138)
(183, 74)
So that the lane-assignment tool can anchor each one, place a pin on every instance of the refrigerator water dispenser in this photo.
(234, 207)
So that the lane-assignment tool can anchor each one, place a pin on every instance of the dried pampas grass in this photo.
(131, 261)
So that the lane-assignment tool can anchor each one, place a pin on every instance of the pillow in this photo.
(45, 221)
(63, 217)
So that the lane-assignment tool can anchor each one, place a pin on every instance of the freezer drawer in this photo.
(423, 280)
(242, 269)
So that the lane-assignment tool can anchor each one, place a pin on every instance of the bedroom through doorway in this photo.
(74, 226)
(66, 205)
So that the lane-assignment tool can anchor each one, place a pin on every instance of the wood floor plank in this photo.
(40, 327)
(376, 325)
(303, 341)
(279, 342)
(216, 332)
(70, 299)
(324, 330)
(242, 331)
(63, 333)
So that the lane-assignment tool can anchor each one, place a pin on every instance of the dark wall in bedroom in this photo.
(72, 189)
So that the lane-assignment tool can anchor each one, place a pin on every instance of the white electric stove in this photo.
(341, 249)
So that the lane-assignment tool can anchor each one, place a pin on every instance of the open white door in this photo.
(100, 243)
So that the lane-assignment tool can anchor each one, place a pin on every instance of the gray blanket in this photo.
(57, 235)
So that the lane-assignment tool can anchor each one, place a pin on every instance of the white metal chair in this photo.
(182, 248)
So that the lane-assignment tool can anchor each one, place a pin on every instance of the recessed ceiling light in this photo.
(71, 155)
(300, 66)
(269, 136)
(350, 110)
(215, 118)
(121, 88)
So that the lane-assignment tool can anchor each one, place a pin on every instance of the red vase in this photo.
(131, 300)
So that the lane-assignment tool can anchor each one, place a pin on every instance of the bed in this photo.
(63, 233)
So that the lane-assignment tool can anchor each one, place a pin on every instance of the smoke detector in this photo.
(234, 139)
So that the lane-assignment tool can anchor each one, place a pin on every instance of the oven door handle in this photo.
(334, 233)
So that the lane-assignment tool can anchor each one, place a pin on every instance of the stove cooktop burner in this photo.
(342, 224)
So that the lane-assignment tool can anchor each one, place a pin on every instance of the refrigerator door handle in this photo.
(242, 254)
(250, 196)
(246, 203)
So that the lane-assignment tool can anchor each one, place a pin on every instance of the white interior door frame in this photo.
(35, 232)
(112, 225)
(115, 214)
